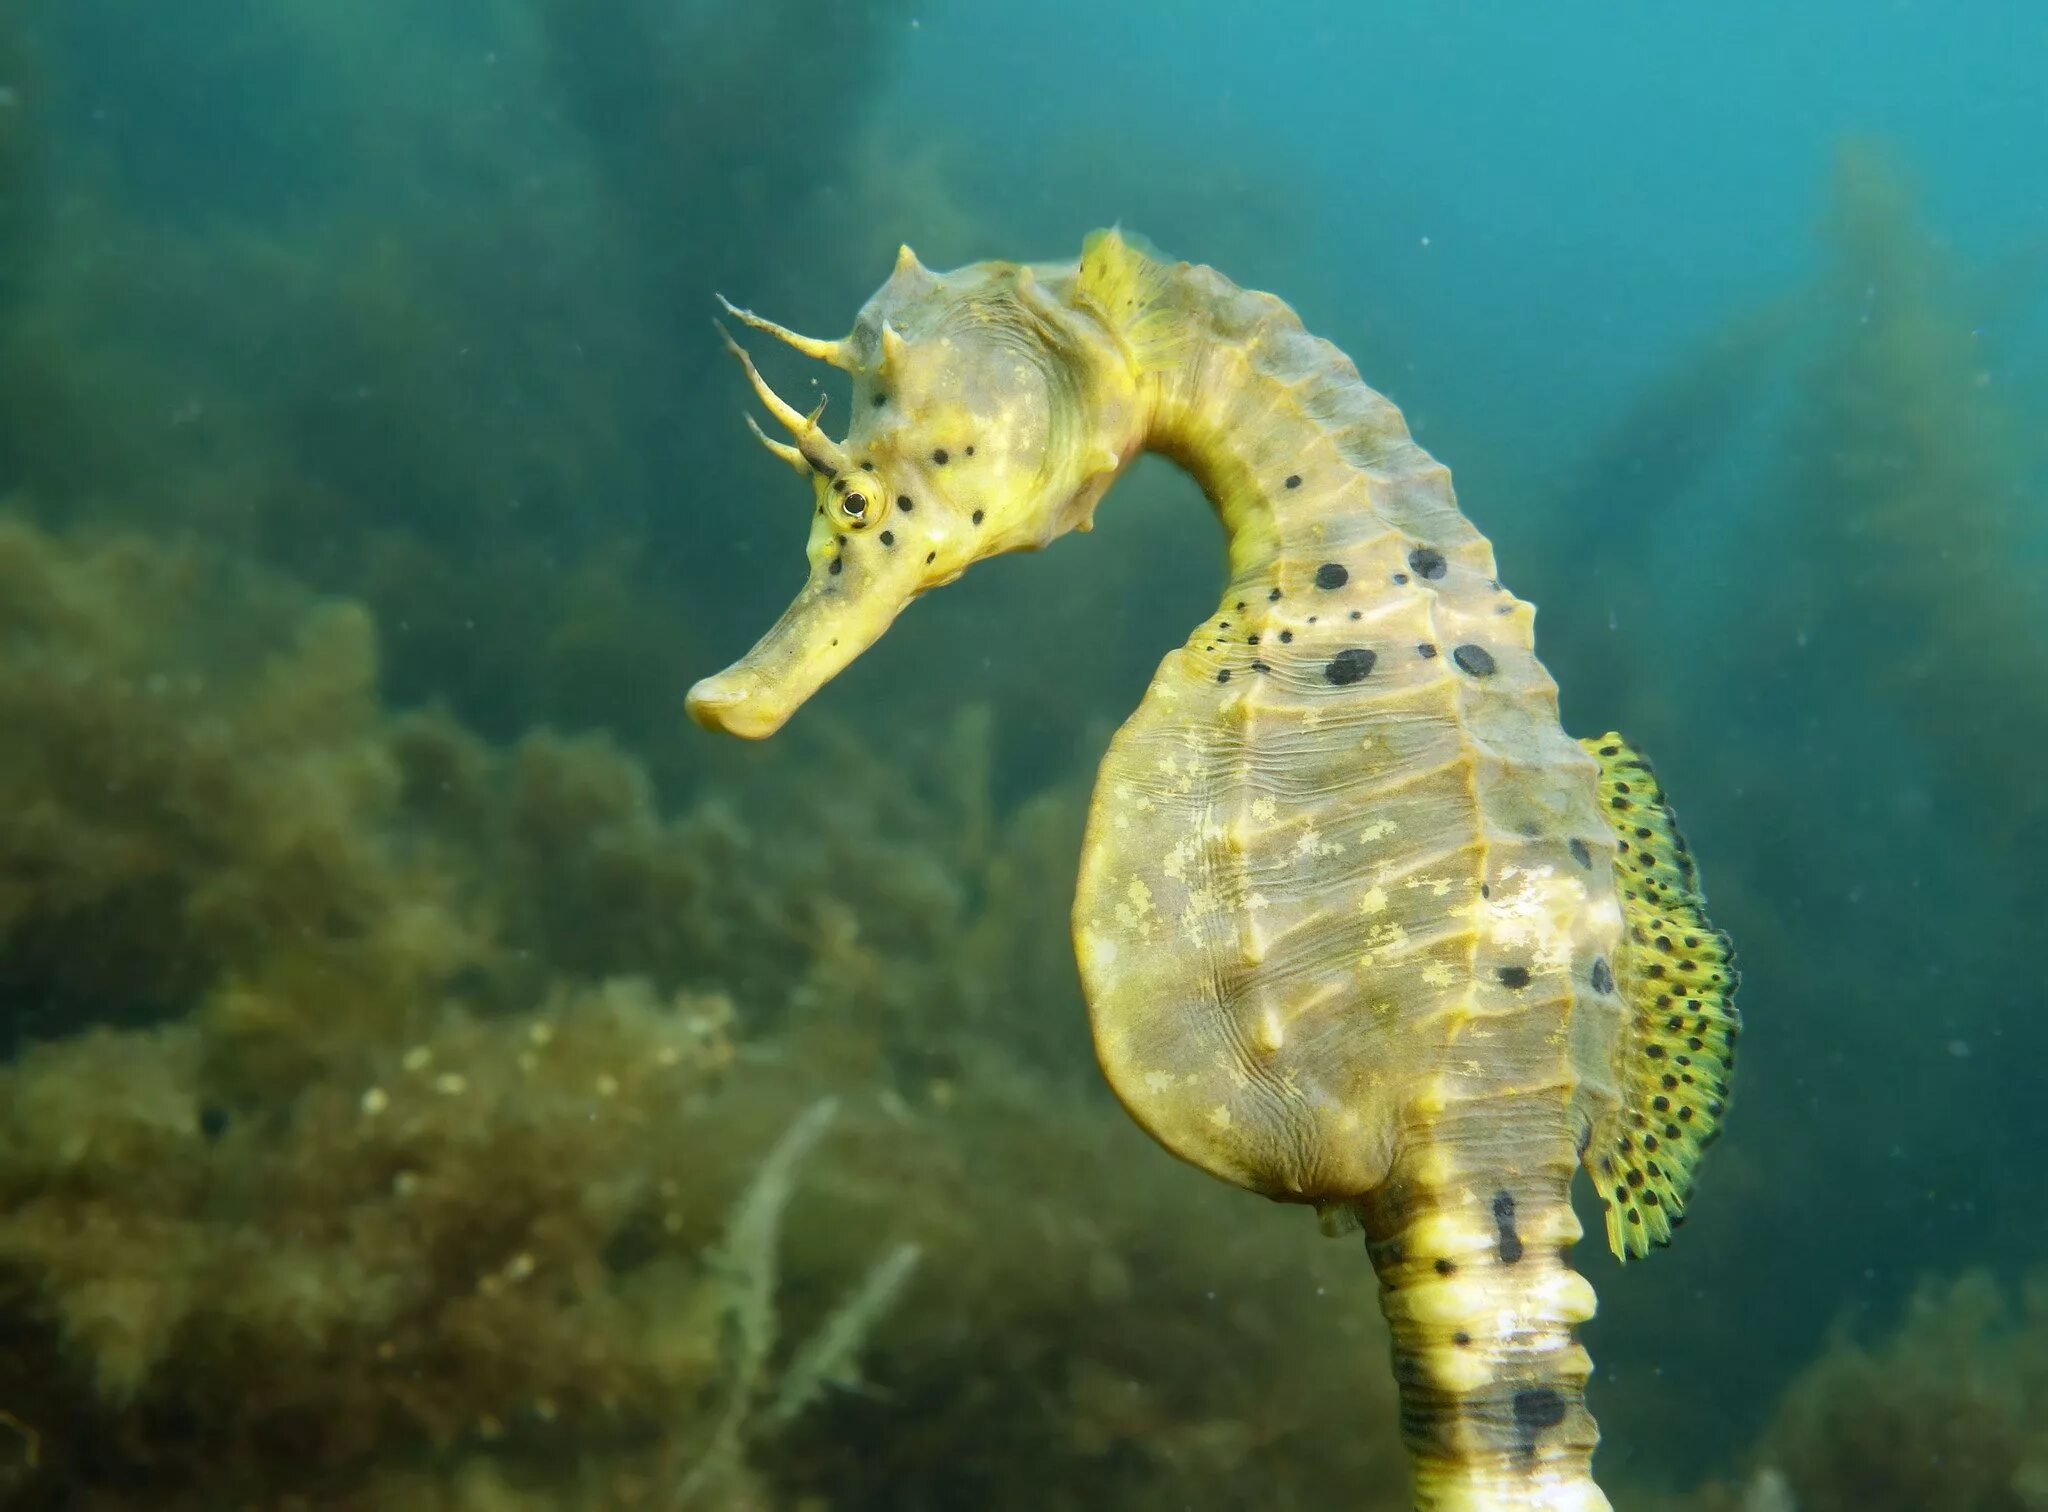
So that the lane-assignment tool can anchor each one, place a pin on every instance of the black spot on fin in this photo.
(1676, 974)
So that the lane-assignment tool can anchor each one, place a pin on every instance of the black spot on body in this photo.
(903, 503)
(888, 538)
(1581, 855)
(1223, 676)
(1476, 661)
(1349, 666)
(1537, 1408)
(1294, 480)
(1332, 575)
(1504, 1225)
(1425, 650)
(838, 563)
(879, 400)
(1513, 976)
(1603, 975)
(1286, 636)
(970, 451)
(977, 516)
(213, 1120)
(1426, 561)
(1446, 1268)
(940, 456)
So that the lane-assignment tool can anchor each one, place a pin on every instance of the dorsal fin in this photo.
(1676, 974)
(1130, 285)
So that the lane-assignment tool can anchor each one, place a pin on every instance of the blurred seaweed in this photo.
(1921, 471)
(381, 1149)
(1949, 1409)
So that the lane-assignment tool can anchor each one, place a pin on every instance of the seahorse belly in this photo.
(1329, 880)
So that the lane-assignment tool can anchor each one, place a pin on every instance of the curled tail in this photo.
(1469, 1238)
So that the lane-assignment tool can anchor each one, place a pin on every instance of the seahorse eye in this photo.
(854, 506)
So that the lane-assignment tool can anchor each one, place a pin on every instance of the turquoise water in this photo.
(372, 486)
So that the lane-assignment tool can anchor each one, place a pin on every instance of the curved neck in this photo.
(1300, 458)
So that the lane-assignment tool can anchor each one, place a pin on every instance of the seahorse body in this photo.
(1359, 925)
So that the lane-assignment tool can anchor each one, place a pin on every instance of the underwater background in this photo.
(435, 1075)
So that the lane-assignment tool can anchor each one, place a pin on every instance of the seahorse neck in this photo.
(1299, 457)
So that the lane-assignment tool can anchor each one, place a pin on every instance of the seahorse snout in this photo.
(843, 610)
(734, 705)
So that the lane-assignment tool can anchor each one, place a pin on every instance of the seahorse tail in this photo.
(1475, 1284)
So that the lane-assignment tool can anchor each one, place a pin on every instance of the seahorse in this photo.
(1359, 926)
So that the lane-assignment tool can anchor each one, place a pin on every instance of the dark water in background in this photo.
(1733, 326)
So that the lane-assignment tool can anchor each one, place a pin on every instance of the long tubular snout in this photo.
(838, 615)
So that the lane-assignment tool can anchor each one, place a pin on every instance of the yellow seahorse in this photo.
(1359, 926)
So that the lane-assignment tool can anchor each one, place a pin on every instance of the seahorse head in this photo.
(991, 411)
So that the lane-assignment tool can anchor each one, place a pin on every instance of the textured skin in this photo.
(1348, 916)
(1335, 941)
(1280, 920)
